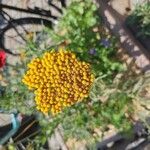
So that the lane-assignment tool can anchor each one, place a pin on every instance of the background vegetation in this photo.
(111, 99)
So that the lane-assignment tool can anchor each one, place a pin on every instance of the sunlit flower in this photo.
(59, 80)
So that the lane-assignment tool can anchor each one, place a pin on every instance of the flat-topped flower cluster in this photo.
(59, 80)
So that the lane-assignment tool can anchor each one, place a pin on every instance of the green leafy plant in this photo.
(15, 96)
(80, 30)
(141, 17)
(81, 120)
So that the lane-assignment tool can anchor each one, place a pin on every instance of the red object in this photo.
(2, 58)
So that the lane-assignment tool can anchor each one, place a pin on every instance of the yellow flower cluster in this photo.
(59, 80)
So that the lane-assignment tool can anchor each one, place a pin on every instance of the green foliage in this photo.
(141, 17)
(81, 120)
(16, 96)
(108, 103)
(76, 21)
(81, 31)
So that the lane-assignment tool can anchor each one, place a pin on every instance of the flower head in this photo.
(92, 51)
(2, 58)
(59, 80)
(105, 43)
